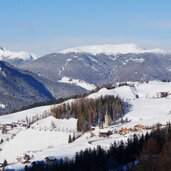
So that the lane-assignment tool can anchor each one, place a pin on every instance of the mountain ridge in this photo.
(6, 55)
(111, 49)
(20, 88)
(102, 69)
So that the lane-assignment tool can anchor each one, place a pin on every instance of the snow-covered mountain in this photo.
(7, 55)
(112, 49)
(103, 64)
(19, 88)
(71, 72)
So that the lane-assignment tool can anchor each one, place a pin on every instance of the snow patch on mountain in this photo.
(2, 72)
(136, 60)
(111, 49)
(169, 69)
(8, 55)
(2, 106)
(78, 82)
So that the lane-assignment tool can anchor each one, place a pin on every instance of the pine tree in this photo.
(73, 138)
(69, 140)
(5, 163)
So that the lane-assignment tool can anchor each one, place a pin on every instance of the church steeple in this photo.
(107, 119)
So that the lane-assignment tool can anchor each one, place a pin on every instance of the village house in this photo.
(105, 133)
(158, 125)
(162, 94)
(124, 131)
(3, 129)
(25, 158)
(92, 128)
(50, 159)
(139, 128)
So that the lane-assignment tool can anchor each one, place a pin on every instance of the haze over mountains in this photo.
(42, 77)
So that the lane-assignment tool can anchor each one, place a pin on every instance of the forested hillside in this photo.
(90, 112)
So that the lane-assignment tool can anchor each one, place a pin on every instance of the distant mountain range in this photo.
(112, 49)
(81, 68)
(7, 55)
(100, 65)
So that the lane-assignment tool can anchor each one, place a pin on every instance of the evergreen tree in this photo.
(69, 140)
(73, 138)
(90, 111)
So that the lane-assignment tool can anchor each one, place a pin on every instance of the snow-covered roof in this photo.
(50, 158)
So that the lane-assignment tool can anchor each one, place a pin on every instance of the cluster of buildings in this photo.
(5, 128)
(161, 95)
(124, 130)
(26, 158)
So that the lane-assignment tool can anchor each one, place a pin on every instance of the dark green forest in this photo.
(90, 112)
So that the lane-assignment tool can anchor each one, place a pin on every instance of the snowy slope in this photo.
(143, 90)
(9, 55)
(63, 124)
(53, 133)
(33, 112)
(2, 106)
(78, 82)
(149, 111)
(123, 92)
(111, 49)
(34, 139)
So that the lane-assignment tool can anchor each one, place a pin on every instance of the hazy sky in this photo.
(44, 26)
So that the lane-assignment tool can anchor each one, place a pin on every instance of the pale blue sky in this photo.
(44, 26)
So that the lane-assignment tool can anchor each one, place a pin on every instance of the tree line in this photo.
(62, 99)
(90, 112)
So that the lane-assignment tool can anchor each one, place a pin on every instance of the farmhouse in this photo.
(105, 133)
(50, 159)
(158, 125)
(3, 129)
(162, 94)
(92, 128)
(139, 127)
(124, 131)
(25, 158)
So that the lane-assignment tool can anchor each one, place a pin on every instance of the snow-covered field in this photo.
(2, 106)
(49, 136)
(78, 82)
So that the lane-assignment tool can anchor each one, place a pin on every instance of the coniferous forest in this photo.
(90, 112)
(145, 153)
